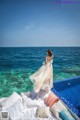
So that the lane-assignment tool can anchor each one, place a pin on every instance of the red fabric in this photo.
(51, 99)
(54, 101)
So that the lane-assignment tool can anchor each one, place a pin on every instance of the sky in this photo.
(39, 23)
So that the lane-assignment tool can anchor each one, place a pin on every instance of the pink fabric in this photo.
(51, 99)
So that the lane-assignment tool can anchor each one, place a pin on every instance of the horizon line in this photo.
(34, 46)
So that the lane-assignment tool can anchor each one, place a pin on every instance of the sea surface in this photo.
(18, 63)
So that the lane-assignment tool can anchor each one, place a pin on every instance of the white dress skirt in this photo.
(42, 79)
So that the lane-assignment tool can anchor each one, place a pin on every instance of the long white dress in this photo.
(43, 77)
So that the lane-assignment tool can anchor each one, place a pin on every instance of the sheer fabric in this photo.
(43, 77)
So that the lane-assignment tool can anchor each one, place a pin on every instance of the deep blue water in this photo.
(68, 91)
(16, 64)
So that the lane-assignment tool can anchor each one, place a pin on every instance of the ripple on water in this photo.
(14, 81)
(18, 80)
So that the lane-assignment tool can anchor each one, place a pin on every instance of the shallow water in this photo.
(17, 64)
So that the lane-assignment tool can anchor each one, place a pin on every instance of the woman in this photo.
(43, 77)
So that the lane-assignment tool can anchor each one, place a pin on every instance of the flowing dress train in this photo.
(43, 78)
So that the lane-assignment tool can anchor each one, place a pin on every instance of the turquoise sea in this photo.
(18, 63)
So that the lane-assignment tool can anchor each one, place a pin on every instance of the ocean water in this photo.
(18, 63)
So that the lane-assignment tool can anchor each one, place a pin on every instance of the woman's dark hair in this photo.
(50, 53)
